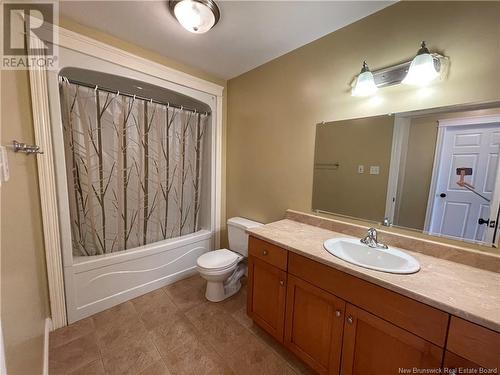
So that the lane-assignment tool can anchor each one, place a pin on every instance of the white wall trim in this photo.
(48, 329)
(398, 159)
(46, 166)
(475, 120)
(47, 186)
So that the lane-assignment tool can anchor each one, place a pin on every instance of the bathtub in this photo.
(96, 283)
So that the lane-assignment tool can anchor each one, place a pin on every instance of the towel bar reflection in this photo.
(327, 165)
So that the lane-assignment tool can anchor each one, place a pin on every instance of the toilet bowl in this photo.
(223, 268)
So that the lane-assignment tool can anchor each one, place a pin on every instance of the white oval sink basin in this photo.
(386, 260)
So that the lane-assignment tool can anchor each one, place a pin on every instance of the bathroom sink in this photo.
(386, 260)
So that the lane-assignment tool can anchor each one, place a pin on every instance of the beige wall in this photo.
(342, 190)
(273, 109)
(24, 303)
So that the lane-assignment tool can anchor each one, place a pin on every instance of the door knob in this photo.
(264, 252)
(442, 195)
(350, 319)
(338, 313)
(282, 283)
(482, 221)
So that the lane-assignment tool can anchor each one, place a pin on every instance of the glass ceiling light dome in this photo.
(196, 16)
(365, 83)
(422, 69)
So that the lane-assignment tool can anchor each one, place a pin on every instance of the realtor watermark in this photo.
(29, 37)
(447, 370)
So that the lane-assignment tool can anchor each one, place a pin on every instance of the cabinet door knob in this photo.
(264, 252)
(350, 319)
(338, 313)
(282, 282)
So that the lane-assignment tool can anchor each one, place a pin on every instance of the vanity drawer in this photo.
(267, 252)
(418, 318)
(474, 343)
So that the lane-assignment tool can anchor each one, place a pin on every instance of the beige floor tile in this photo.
(174, 334)
(155, 308)
(73, 355)
(221, 330)
(71, 332)
(187, 293)
(157, 368)
(93, 368)
(132, 358)
(119, 334)
(115, 316)
(256, 358)
(241, 317)
(195, 359)
(236, 302)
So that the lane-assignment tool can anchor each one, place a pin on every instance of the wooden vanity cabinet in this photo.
(453, 363)
(314, 324)
(341, 324)
(267, 286)
(373, 346)
(474, 343)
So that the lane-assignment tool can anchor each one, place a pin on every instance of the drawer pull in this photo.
(338, 313)
(282, 283)
(264, 252)
(350, 319)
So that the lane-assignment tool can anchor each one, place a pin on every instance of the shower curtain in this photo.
(134, 169)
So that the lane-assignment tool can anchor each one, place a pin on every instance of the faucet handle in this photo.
(372, 233)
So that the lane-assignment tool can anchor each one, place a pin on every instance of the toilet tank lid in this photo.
(243, 223)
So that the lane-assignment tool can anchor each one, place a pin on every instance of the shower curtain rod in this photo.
(97, 87)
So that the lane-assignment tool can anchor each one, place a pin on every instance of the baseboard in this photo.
(48, 329)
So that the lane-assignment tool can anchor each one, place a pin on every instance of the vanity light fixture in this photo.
(196, 16)
(365, 83)
(422, 68)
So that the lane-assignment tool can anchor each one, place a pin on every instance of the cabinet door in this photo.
(454, 364)
(266, 296)
(314, 323)
(373, 346)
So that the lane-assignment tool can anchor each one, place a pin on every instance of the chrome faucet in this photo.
(371, 240)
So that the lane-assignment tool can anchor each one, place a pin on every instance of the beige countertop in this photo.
(463, 291)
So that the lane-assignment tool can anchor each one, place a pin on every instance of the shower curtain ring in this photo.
(95, 88)
(117, 92)
(151, 100)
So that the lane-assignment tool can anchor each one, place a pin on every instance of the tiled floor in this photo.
(173, 330)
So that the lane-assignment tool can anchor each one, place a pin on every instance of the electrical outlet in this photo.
(361, 169)
(374, 169)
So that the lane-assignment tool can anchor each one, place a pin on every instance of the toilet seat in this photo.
(218, 260)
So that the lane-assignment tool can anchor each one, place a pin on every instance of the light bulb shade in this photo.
(421, 71)
(365, 84)
(196, 16)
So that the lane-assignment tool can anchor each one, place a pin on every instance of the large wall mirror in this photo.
(434, 171)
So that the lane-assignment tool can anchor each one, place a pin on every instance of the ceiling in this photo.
(249, 33)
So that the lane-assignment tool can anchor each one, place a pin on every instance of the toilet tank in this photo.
(238, 238)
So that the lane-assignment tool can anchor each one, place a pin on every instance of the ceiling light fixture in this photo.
(422, 69)
(365, 83)
(196, 16)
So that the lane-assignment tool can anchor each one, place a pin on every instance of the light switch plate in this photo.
(361, 169)
(374, 169)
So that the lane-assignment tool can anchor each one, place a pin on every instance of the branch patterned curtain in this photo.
(133, 168)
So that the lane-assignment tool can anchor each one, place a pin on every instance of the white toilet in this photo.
(223, 268)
